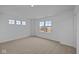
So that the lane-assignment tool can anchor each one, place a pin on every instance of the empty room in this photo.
(37, 29)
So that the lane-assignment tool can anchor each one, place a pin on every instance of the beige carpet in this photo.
(35, 45)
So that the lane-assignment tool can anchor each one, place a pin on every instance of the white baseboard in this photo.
(63, 43)
(17, 38)
(22, 37)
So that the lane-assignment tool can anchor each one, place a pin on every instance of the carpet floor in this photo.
(35, 45)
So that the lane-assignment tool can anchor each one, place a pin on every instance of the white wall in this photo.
(75, 30)
(77, 15)
(78, 32)
(62, 29)
(11, 32)
(32, 27)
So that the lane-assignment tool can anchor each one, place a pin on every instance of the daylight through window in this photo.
(45, 26)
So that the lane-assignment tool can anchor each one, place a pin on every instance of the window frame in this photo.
(11, 22)
(23, 23)
(18, 22)
(46, 26)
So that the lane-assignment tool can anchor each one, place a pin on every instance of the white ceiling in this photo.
(36, 11)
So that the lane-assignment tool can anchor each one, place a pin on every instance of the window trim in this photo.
(11, 22)
(46, 26)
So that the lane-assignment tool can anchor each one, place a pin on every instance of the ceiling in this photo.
(37, 11)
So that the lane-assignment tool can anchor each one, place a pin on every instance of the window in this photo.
(48, 23)
(23, 23)
(42, 23)
(42, 26)
(11, 21)
(18, 22)
(45, 26)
